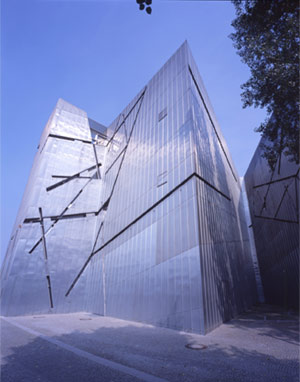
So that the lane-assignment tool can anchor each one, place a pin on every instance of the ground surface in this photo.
(259, 346)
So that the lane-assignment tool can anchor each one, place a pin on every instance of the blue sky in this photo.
(97, 55)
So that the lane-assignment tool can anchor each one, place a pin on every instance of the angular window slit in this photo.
(68, 176)
(46, 257)
(69, 138)
(105, 205)
(70, 216)
(77, 175)
(162, 114)
(161, 184)
(62, 214)
(124, 118)
(162, 179)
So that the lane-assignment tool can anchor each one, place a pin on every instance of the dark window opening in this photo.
(162, 114)
(162, 179)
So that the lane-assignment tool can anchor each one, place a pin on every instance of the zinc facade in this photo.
(273, 196)
(156, 234)
(64, 150)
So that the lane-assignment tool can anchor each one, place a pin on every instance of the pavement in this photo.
(259, 346)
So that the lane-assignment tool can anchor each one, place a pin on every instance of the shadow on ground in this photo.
(270, 321)
(243, 350)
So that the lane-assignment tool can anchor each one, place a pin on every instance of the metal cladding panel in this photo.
(200, 94)
(23, 277)
(274, 206)
(152, 270)
(226, 263)
(176, 190)
(163, 239)
(159, 155)
(150, 266)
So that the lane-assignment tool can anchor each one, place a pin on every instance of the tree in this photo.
(142, 5)
(267, 38)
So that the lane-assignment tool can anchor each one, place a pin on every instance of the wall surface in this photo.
(65, 149)
(159, 235)
(274, 206)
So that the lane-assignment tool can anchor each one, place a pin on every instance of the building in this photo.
(273, 197)
(141, 220)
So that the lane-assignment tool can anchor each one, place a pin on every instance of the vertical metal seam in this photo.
(104, 284)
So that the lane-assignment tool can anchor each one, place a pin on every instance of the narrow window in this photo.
(162, 179)
(162, 114)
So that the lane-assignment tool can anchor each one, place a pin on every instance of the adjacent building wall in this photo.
(274, 206)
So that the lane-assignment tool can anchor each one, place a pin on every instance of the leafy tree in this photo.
(142, 5)
(267, 38)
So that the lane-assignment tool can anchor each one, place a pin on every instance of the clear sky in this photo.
(97, 55)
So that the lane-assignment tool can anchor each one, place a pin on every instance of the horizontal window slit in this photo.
(159, 185)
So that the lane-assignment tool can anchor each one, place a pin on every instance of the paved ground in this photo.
(259, 346)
